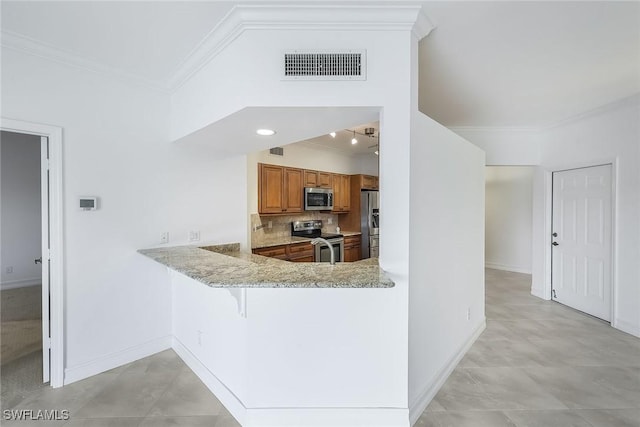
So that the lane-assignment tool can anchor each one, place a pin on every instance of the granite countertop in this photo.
(288, 240)
(223, 266)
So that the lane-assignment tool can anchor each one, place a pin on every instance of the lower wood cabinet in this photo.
(279, 252)
(352, 248)
(296, 252)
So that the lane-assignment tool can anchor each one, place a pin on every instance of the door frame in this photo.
(56, 272)
(548, 225)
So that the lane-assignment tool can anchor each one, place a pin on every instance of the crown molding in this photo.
(493, 128)
(632, 100)
(324, 17)
(29, 46)
(379, 16)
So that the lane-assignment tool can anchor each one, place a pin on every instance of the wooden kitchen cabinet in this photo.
(310, 178)
(368, 182)
(352, 248)
(296, 252)
(279, 252)
(324, 180)
(341, 193)
(279, 189)
(293, 190)
(300, 252)
(317, 179)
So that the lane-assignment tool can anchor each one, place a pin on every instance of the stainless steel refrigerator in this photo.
(369, 223)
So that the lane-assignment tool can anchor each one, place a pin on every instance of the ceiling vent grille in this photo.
(342, 65)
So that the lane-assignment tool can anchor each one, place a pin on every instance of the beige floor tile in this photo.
(559, 418)
(464, 419)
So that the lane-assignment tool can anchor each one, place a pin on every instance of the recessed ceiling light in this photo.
(265, 132)
(377, 152)
(354, 141)
(333, 134)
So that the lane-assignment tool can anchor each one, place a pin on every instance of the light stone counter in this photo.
(223, 266)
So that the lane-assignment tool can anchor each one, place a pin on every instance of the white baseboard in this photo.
(290, 417)
(511, 268)
(627, 327)
(230, 401)
(539, 292)
(113, 360)
(420, 404)
(23, 283)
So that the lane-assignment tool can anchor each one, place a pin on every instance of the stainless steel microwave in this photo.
(318, 199)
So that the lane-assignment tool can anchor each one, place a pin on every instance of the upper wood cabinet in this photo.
(324, 180)
(293, 190)
(341, 193)
(310, 178)
(317, 179)
(368, 182)
(279, 189)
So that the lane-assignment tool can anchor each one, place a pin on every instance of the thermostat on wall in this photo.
(88, 203)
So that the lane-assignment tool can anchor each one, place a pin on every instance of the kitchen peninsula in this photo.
(227, 266)
(300, 343)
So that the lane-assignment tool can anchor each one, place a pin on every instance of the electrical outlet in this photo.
(194, 235)
(200, 338)
(469, 313)
(9, 270)
(330, 220)
(164, 237)
(270, 224)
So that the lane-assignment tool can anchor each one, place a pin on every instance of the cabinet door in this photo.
(324, 180)
(270, 188)
(279, 252)
(368, 182)
(311, 179)
(337, 192)
(346, 193)
(293, 190)
(352, 253)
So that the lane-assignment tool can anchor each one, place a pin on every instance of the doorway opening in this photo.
(21, 353)
(34, 233)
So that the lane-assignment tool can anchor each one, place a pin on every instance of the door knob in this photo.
(555, 243)
(555, 234)
(38, 261)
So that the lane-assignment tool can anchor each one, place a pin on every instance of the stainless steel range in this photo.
(313, 229)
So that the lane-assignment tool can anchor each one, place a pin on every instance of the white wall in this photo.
(197, 104)
(446, 279)
(505, 146)
(21, 209)
(508, 218)
(610, 134)
(116, 147)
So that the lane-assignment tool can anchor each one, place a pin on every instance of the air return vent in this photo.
(277, 151)
(335, 65)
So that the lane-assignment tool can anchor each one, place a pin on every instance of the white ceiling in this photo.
(527, 63)
(486, 64)
(342, 141)
(236, 133)
(149, 39)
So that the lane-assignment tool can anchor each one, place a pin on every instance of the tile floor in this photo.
(538, 364)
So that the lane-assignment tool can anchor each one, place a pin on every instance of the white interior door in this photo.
(582, 223)
(46, 331)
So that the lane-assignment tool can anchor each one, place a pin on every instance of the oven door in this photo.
(323, 254)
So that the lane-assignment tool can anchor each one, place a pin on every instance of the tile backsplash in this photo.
(281, 226)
